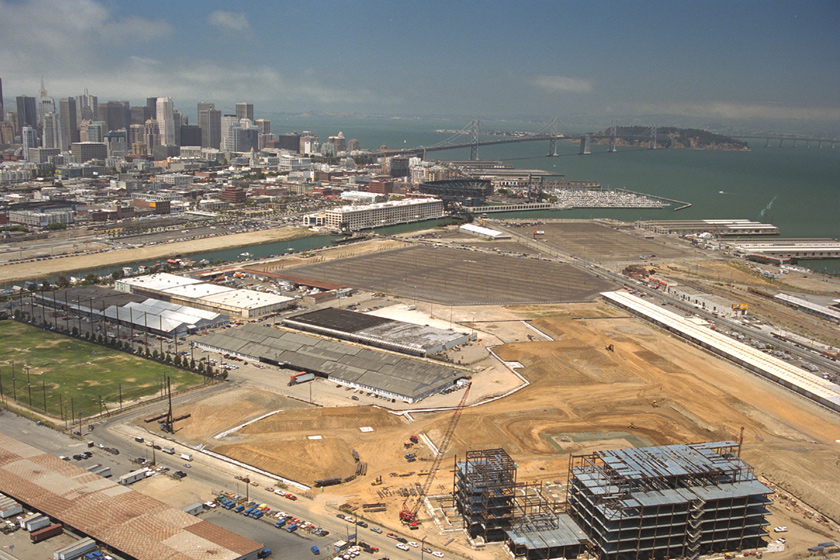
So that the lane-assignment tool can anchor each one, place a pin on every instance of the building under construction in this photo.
(491, 500)
(674, 501)
(626, 504)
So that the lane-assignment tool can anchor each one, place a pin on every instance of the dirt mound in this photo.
(226, 410)
(323, 421)
(302, 459)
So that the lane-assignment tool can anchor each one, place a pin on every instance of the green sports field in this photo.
(62, 368)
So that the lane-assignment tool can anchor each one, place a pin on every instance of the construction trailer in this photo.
(667, 502)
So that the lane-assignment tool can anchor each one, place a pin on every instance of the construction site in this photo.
(573, 432)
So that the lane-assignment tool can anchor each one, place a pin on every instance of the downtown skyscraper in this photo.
(165, 116)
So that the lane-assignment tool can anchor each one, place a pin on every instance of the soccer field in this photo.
(48, 371)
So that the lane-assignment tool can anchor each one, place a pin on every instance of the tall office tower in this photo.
(151, 135)
(27, 113)
(2, 111)
(51, 135)
(180, 120)
(87, 107)
(139, 115)
(117, 143)
(96, 131)
(67, 112)
(165, 116)
(151, 105)
(136, 133)
(7, 131)
(12, 118)
(264, 125)
(229, 124)
(115, 114)
(210, 123)
(246, 137)
(46, 104)
(245, 111)
(29, 139)
(190, 135)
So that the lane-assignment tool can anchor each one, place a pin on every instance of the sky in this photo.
(741, 64)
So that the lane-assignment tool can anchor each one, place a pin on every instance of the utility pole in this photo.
(44, 389)
(28, 386)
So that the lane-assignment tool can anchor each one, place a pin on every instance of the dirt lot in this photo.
(227, 410)
(601, 243)
(445, 275)
(653, 389)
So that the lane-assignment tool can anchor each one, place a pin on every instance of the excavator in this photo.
(408, 514)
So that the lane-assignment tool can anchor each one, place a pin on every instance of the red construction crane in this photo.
(408, 515)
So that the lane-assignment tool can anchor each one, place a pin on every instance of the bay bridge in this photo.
(468, 137)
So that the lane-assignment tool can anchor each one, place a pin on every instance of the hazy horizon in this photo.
(739, 66)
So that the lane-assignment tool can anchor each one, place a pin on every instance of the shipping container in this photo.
(39, 523)
(103, 471)
(46, 532)
(9, 507)
(75, 550)
(31, 518)
(195, 509)
(301, 377)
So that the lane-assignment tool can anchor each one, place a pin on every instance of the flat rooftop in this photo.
(547, 534)
(122, 518)
(370, 329)
(387, 372)
(160, 281)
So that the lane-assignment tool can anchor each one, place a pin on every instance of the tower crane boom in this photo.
(408, 515)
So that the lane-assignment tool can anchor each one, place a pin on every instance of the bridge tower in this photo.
(584, 145)
(473, 130)
(552, 142)
(653, 137)
(613, 134)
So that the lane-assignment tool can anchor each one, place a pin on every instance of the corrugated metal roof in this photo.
(395, 374)
(124, 519)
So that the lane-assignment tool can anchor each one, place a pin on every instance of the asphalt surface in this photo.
(213, 473)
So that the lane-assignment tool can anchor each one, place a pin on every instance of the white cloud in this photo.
(55, 37)
(563, 83)
(228, 21)
(739, 111)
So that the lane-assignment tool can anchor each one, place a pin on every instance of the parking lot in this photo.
(460, 277)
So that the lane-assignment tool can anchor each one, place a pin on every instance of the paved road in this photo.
(213, 473)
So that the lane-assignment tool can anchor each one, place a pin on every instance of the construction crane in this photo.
(408, 515)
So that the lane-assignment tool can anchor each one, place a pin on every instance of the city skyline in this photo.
(744, 64)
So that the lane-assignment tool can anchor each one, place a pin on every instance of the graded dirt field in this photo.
(225, 411)
(598, 242)
(460, 277)
(653, 389)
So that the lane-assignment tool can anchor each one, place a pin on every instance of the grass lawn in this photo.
(66, 368)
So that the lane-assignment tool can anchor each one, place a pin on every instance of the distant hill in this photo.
(673, 138)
